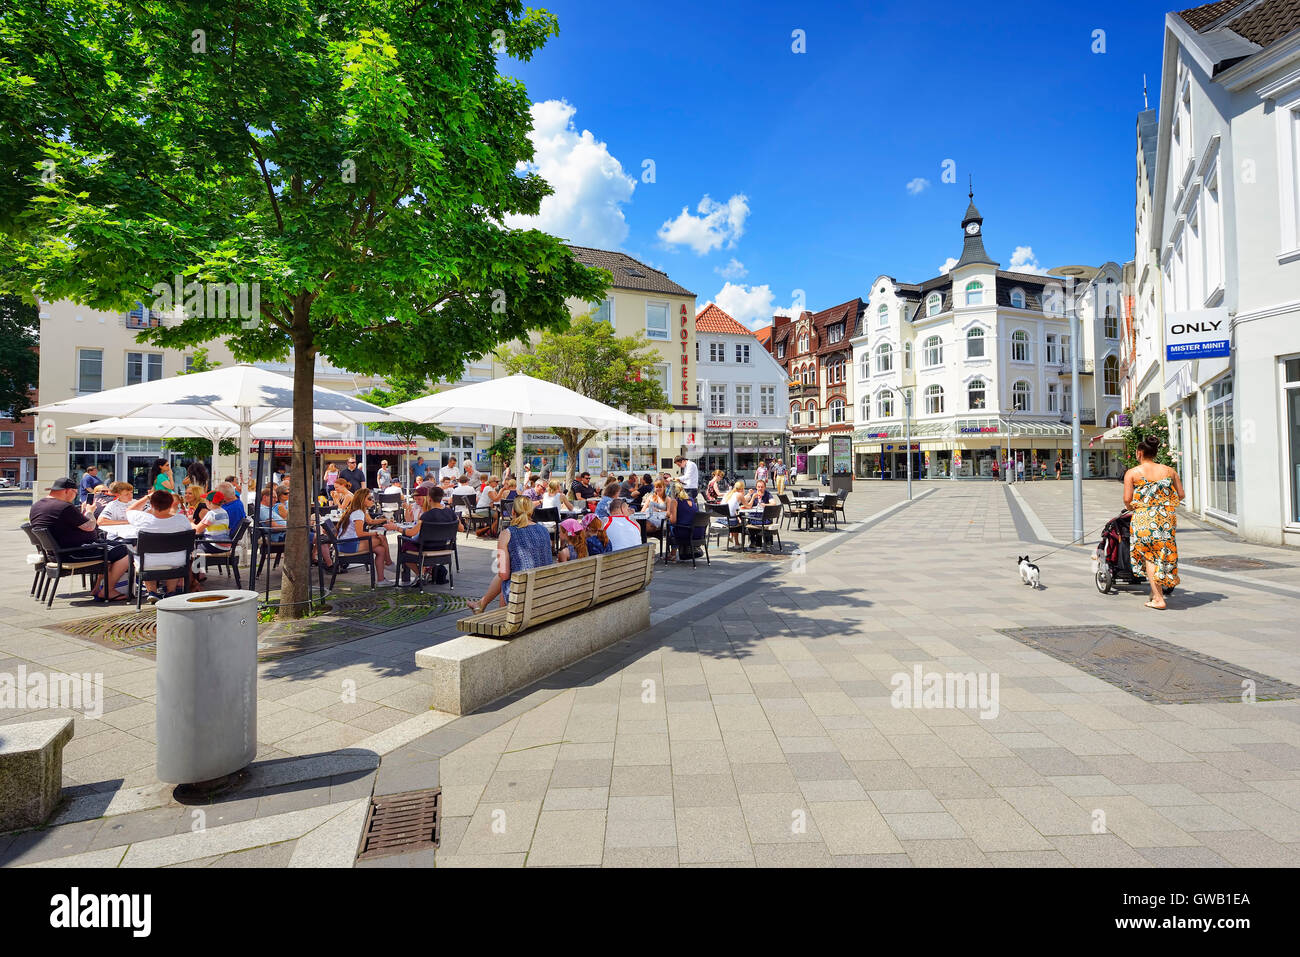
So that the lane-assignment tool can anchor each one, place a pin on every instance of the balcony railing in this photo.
(1063, 367)
(1086, 417)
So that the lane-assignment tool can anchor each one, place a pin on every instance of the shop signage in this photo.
(686, 381)
(877, 435)
(841, 455)
(717, 423)
(982, 428)
(1196, 334)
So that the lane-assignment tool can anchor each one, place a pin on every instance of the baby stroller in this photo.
(1113, 563)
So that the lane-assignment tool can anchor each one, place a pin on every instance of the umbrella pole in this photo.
(257, 514)
(519, 453)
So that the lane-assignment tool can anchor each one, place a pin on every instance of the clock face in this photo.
(973, 229)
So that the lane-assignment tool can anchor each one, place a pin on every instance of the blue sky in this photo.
(806, 157)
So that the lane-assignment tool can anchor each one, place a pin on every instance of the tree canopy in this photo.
(20, 363)
(321, 177)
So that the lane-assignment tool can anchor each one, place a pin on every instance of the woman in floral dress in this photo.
(1153, 492)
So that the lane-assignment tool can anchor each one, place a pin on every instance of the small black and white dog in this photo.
(1028, 572)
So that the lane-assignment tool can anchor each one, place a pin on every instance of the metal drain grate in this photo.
(1232, 563)
(401, 823)
(1152, 669)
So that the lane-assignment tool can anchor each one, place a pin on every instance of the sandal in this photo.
(1152, 604)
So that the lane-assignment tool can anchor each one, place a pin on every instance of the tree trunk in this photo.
(296, 564)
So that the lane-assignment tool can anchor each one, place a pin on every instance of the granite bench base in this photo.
(471, 671)
(31, 771)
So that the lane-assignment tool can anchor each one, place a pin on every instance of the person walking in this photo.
(1058, 468)
(1153, 491)
(780, 470)
(1020, 469)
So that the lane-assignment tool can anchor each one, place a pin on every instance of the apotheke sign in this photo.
(1197, 334)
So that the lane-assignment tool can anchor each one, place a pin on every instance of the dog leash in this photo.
(1077, 541)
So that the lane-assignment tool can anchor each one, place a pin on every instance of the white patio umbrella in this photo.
(241, 396)
(214, 430)
(518, 402)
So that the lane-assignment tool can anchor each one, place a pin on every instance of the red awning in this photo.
(340, 445)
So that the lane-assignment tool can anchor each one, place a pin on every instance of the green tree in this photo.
(20, 363)
(200, 448)
(589, 359)
(322, 177)
(1135, 433)
(402, 388)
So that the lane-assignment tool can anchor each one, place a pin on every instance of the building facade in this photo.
(743, 396)
(983, 355)
(1226, 229)
(817, 353)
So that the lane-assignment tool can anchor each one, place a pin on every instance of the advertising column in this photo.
(841, 463)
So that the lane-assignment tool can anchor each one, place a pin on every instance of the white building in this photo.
(1142, 365)
(984, 354)
(1227, 226)
(743, 395)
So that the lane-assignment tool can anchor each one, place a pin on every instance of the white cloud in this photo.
(751, 305)
(734, 269)
(718, 223)
(1024, 260)
(590, 185)
(947, 265)
(918, 185)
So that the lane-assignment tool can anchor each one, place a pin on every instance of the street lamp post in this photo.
(907, 433)
(1076, 476)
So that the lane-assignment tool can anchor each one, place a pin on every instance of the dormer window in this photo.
(974, 293)
(837, 332)
(933, 305)
(1018, 298)
(803, 342)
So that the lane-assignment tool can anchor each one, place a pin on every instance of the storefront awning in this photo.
(822, 448)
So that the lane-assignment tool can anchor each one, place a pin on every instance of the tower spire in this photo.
(971, 194)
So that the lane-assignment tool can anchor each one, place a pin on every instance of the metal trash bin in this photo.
(207, 685)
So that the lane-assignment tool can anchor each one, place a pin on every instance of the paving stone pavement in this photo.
(750, 725)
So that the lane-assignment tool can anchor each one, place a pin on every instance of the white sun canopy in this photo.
(519, 402)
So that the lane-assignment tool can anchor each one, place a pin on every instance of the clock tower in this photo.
(972, 226)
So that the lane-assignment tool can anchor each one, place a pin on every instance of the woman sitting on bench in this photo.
(523, 545)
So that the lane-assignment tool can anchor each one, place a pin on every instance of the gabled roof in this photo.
(1258, 21)
(764, 336)
(713, 319)
(628, 273)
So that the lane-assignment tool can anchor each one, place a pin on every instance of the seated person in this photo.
(621, 528)
(656, 505)
(232, 503)
(734, 499)
(573, 541)
(535, 490)
(214, 525)
(58, 514)
(114, 513)
(554, 498)
(523, 545)
(342, 494)
(760, 496)
(606, 499)
(598, 542)
(161, 517)
(361, 533)
(715, 491)
(488, 499)
(581, 488)
(645, 488)
(432, 508)
(273, 512)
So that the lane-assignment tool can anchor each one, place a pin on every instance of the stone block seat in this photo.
(556, 615)
(31, 771)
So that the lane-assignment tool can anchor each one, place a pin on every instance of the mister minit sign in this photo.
(1198, 334)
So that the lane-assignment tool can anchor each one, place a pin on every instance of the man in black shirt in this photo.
(71, 529)
(581, 487)
(356, 478)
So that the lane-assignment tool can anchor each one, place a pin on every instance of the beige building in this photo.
(84, 350)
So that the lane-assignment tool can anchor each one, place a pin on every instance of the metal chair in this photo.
(766, 528)
(60, 562)
(434, 546)
(390, 502)
(720, 522)
(219, 554)
(699, 536)
(342, 560)
(161, 543)
(829, 506)
(842, 494)
(549, 518)
(792, 514)
(39, 555)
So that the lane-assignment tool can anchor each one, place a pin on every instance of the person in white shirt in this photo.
(690, 475)
(621, 528)
(553, 497)
(734, 500)
(449, 470)
(162, 518)
(114, 513)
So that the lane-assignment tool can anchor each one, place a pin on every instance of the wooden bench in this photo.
(31, 771)
(553, 591)
(555, 616)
